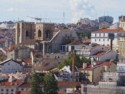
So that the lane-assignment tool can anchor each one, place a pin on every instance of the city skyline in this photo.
(60, 11)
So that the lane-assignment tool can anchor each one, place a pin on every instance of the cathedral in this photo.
(43, 37)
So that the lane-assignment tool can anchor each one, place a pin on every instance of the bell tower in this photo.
(25, 33)
(44, 31)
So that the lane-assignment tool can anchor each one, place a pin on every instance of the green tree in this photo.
(79, 61)
(50, 84)
(37, 83)
(86, 34)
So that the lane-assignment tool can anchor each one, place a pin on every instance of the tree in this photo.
(86, 34)
(37, 83)
(50, 84)
(79, 61)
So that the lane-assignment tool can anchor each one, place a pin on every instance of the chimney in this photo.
(11, 78)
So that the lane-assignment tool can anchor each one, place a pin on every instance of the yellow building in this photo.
(121, 47)
(95, 73)
(122, 22)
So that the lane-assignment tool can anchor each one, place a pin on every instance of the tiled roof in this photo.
(11, 84)
(76, 42)
(87, 41)
(109, 31)
(22, 92)
(89, 68)
(61, 92)
(68, 84)
(100, 53)
(28, 60)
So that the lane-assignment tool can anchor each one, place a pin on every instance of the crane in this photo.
(35, 18)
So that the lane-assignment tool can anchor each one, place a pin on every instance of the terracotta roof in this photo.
(89, 68)
(3, 40)
(22, 92)
(100, 53)
(76, 42)
(109, 30)
(11, 84)
(61, 92)
(28, 60)
(87, 41)
(68, 84)
(106, 64)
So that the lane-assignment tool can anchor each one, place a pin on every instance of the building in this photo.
(76, 44)
(95, 71)
(103, 37)
(10, 66)
(108, 19)
(105, 22)
(18, 52)
(121, 43)
(122, 22)
(43, 37)
(104, 56)
(14, 84)
(69, 87)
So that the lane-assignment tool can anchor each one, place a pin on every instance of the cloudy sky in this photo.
(54, 10)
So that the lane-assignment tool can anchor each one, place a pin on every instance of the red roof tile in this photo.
(61, 92)
(89, 68)
(109, 30)
(28, 60)
(100, 53)
(68, 84)
(13, 84)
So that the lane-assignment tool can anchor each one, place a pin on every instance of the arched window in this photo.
(27, 34)
(39, 33)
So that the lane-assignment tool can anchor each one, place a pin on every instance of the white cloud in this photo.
(81, 9)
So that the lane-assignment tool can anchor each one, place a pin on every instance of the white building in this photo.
(10, 66)
(102, 37)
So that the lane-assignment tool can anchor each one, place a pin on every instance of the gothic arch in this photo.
(39, 33)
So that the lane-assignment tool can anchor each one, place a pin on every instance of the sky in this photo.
(60, 11)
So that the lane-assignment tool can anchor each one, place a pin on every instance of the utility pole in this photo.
(73, 65)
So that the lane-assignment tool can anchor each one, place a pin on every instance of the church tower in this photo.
(25, 33)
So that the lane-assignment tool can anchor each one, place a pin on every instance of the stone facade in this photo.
(45, 37)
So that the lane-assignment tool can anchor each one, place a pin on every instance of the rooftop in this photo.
(109, 31)
(90, 68)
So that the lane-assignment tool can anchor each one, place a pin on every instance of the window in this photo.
(7, 90)
(27, 34)
(11, 89)
(39, 33)
(48, 33)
